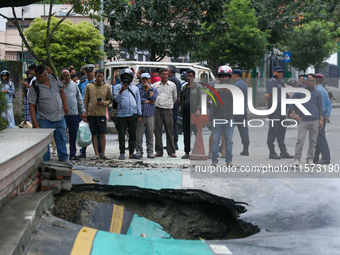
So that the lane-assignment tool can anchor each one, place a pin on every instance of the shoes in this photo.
(310, 162)
(81, 155)
(284, 153)
(323, 162)
(296, 163)
(74, 158)
(67, 162)
(173, 155)
(158, 155)
(273, 154)
(122, 157)
(214, 164)
(150, 155)
(230, 164)
(134, 156)
(139, 154)
(186, 156)
(245, 151)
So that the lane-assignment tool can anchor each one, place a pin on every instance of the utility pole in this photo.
(101, 30)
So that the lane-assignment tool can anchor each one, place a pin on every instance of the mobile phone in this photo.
(99, 99)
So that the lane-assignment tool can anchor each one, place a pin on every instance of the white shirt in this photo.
(167, 94)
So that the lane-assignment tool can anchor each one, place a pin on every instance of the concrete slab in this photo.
(20, 218)
(21, 152)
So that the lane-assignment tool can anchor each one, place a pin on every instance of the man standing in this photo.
(97, 97)
(148, 98)
(322, 144)
(48, 95)
(167, 96)
(276, 129)
(129, 112)
(75, 107)
(225, 112)
(190, 101)
(241, 121)
(308, 122)
(173, 78)
(89, 71)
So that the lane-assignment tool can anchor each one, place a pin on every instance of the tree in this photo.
(77, 5)
(163, 27)
(71, 44)
(282, 16)
(311, 44)
(242, 45)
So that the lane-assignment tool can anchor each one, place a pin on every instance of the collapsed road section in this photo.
(183, 214)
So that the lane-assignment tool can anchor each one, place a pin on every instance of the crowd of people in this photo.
(144, 109)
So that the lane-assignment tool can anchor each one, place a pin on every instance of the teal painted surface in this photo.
(151, 179)
(141, 225)
(106, 243)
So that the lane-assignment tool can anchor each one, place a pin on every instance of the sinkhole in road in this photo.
(183, 214)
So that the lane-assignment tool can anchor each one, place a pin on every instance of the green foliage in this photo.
(70, 45)
(282, 16)
(163, 27)
(3, 108)
(242, 45)
(312, 44)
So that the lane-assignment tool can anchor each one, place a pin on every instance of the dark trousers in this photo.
(322, 145)
(164, 117)
(72, 123)
(174, 120)
(83, 149)
(129, 123)
(242, 128)
(188, 128)
(277, 131)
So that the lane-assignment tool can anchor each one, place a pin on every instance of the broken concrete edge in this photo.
(20, 218)
(234, 208)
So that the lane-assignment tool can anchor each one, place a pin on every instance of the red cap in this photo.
(319, 75)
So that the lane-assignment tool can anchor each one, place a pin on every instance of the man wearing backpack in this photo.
(47, 94)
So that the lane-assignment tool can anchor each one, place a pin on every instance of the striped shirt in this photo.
(167, 94)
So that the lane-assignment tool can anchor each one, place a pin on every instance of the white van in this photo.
(202, 73)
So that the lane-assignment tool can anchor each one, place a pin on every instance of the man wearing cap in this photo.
(276, 130)
(322, 144)
(241, 121)
(308, 123)
(89, 72)
(148, 97)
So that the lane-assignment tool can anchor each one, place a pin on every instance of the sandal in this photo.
(134, 156)
(94, 158)
(173, 156)
(105, 158)
(121, 157)
(158, 155)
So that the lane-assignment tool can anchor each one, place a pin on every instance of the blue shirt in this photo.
(127, 104)
(82, 86)
(326, 102)
(148, 109)
(244, 87)
(275, 83)
(314, 105)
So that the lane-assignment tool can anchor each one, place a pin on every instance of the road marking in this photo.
(117, 219)
(85, 177)
(187, 181)
(220, 249)
(83, 243)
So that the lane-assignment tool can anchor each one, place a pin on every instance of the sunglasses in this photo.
(90, 69)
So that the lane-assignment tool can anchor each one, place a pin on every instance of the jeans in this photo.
(59, 138)
(228, 131)
(10, 115)
(73, 124)
(322, 145)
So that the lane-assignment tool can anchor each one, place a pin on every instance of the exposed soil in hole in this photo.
(184, 214)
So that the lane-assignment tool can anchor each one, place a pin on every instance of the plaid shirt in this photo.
(148, 109)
